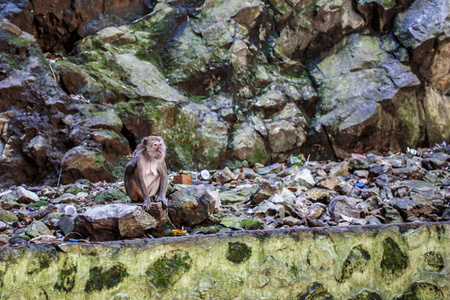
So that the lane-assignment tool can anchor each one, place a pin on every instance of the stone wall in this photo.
(371, 262)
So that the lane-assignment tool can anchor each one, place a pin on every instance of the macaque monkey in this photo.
(146, 175)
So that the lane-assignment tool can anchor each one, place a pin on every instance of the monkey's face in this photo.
(156, 147)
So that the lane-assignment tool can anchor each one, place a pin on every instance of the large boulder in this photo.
(115, 221)
(364, 93)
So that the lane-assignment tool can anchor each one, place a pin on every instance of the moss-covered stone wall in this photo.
(371, 262)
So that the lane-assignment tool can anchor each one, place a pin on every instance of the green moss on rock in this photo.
(98, 278)
(422, 291)
(394, 260)
(238, 252)
(356, 261)
(66, 279)
(37, 205)
(167, 270)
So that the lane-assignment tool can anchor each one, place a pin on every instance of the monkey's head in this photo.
(154, 146)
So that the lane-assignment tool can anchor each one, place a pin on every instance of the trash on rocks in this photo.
(182, 179)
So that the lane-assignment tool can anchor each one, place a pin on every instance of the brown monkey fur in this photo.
(146, 174)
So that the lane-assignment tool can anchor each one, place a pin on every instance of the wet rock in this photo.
(80, 162)
(66, 224)
(36, 229)
(240, 223)
(344, 206)
(340, 169)
(303, 178)
(287, 203)
(240, 193)
(115, 221)
(369, 192)
(20, 195)
(191, 205)
(318, 195)
(266, 190)
(272, 169)
(330, 183)
(409, 208)
(435, 160)
(6, 216)
(4, 239)
(65, 198)
(267, 208)
(224, 176)
(292, 221)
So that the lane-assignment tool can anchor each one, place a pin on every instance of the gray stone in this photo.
(247, 144)
(224, 176)
(303, 178)
(409, 208)
(291, 221)
(36, 229)
(238, 194)
(190, 206)
(7, 216)
(267, 189)
(344, 206)
(115, 221)
(267, 208)
(422, 21)
(330, 182)
(287, 203)
(272, 169)
(65, 198)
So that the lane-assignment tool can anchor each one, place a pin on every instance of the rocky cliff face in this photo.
(221, 81)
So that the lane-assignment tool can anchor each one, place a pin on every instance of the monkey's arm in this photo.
(140, 179)
(163, 181)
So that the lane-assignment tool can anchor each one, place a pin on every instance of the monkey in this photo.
(146, 174)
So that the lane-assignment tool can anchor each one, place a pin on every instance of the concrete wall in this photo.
(370, 262)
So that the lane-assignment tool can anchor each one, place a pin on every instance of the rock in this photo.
(379, 75)
(410, 208)
(291, 221)
(224, 176)
(66, 224)
(79, 162)
(303, 178)
(315, 211)
(369, 192)
(435, 199)
(65, 198)
(435, 160)
(111, 195)
(289, 171)
(329, 183)
(6, 216)
(4, 239)
(247, 144)
(391, 215)
(19, 195)
(267, 189)
(343, 206)
(267, 208)
(285, 135)
(115, 221)
(190, 206)
(318, 195)
(241, 223)
(287, 203)
(240, 193)
(46, 238)
(213, 135)
(36, 229)
(272, 169)
(340, 169)
(3, 226)
(343, 188)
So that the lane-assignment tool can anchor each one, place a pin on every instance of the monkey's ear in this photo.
(144, 141)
